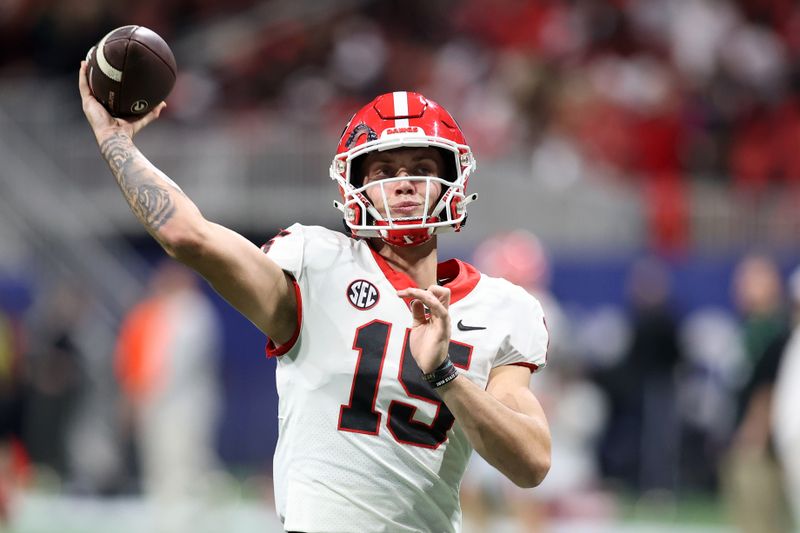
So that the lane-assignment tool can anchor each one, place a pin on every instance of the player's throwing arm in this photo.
(250, 281)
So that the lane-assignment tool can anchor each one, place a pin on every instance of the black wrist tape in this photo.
(444, 374)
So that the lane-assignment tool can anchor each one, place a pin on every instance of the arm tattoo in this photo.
(146, 192)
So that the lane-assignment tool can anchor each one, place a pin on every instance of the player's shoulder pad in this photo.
(511, 297)
(301, 234)
(528, 338)
(300, 248)
(324, 234)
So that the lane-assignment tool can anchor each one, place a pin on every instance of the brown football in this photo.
(131, 70)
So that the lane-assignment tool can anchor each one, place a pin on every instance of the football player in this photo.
(391, 367)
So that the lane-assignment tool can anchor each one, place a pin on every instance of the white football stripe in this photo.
(105, 66)
(400, 109)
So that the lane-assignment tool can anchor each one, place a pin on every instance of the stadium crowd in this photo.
(642, 89)
(658, 94)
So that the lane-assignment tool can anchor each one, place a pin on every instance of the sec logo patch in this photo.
(362, 294)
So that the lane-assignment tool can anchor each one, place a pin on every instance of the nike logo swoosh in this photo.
(462, 327)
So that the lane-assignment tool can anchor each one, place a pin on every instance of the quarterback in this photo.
(391, 367)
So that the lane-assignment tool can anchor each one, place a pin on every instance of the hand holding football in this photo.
(131, 70)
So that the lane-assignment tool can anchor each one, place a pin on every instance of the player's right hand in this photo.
(101, 121)
(430, 331)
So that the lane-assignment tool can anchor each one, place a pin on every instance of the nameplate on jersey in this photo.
(362, 294)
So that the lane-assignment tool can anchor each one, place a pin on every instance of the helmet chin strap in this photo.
(407, 237)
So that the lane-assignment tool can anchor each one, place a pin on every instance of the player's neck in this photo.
(418, 262)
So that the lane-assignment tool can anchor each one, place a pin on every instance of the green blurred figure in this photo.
(750, 474)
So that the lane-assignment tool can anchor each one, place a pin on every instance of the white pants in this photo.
(786, 421)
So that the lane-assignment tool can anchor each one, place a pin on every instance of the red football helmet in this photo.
(399, 120)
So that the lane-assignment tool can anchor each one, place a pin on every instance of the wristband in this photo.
(444, 374)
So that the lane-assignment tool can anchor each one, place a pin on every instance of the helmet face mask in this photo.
(402, 120)
(376, 218)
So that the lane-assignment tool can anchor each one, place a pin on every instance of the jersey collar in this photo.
(462, 277)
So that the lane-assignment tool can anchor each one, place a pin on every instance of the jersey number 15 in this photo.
(360, 415)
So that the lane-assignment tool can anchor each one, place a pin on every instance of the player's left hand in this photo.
(430, 332)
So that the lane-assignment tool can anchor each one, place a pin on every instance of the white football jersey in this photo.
(365, 445)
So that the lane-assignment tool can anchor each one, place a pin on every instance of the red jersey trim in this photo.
(274, 350)
(530, 366)
(463, 276)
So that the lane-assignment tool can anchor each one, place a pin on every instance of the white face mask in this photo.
(446, 214)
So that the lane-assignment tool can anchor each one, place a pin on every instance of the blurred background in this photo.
(638, 170)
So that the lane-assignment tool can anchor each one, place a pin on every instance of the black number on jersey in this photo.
(401, 415)
(360, 415)
(267, 245)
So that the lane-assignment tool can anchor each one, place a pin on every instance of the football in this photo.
(131, 70)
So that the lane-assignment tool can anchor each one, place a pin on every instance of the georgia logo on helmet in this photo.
(399, 120)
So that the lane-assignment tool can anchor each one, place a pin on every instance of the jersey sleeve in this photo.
(527, 341)
(287, 249)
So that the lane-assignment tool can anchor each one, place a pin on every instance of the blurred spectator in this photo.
(640, 447)
(751, 474)
(574, 406)
(758, 295)
(786, 399)
(56, 380)
(166, 363)
(66, 418)
(12, 457)
(712, 341)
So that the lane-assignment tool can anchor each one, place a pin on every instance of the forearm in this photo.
(159, 204)
(514, 442)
